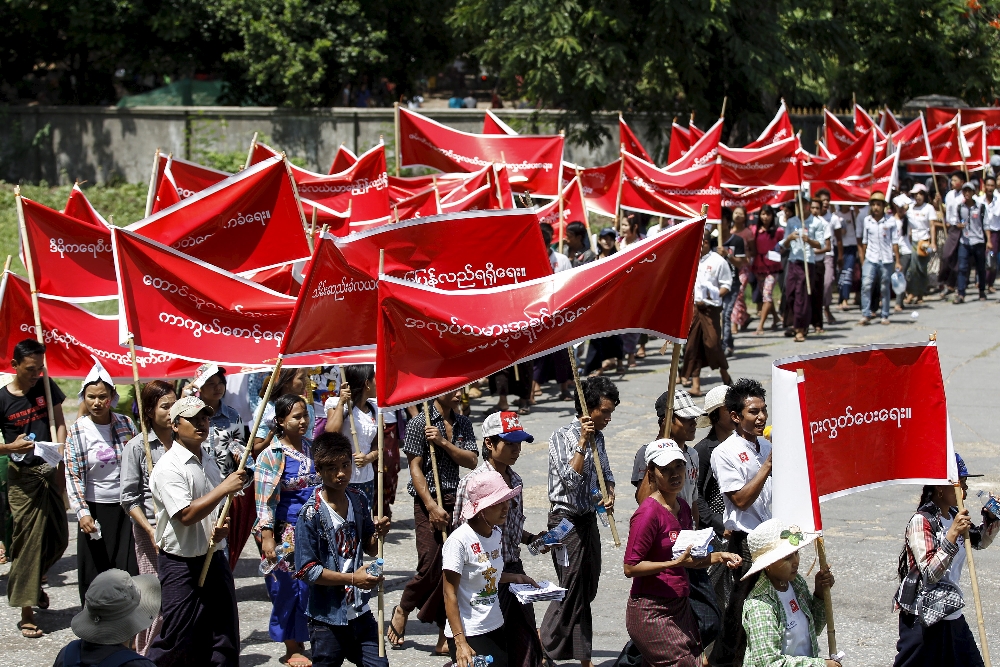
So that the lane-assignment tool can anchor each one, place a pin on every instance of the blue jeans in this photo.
(846, 280)
(967, 254)
(728, 302)
(356, 642)
(868, 270)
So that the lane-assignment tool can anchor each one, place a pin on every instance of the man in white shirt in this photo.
(921, 218)
(200, 624)
(804, 244)
(834, 234)
(557, 260)
(992, 203)
(704, 342)
(879, 254)
(742, 467)
(848, 249)
(948, 273)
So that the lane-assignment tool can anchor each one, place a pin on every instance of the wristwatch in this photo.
(582, 451)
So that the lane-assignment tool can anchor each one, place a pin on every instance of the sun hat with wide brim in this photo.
(117, 607)
(486, 489)
(774, 540)
(877, 196)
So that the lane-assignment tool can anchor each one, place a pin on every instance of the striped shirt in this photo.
(570, 491)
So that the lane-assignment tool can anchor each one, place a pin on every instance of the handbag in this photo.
(937, 601)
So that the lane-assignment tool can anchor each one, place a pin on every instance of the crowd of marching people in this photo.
(147, 506)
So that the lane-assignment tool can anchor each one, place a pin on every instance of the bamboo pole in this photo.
(725, 99)
(350, 411)
(593, 446)
(434, 463)
(381, 540)
(295, 190)
(312, 229)
(618, 200)
(961, 144)
(395, 116)
(271, 381)
(253, 147)
(39, 334)
(142, 416)
(804, 237)
(151, 193)
(675, 362)
(831, 631)
(663, 349)
(562, 222)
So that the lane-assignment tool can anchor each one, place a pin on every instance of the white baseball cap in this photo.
(663, 452)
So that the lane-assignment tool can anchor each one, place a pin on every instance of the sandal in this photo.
(297, 660)
(30, 630)
(799, 338)
(393, 632)
(523, 410)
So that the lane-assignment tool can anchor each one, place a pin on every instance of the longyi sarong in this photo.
(41, 531)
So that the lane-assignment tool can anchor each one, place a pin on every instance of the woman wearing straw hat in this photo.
(658, 615)
(780, 617)
(472, 565)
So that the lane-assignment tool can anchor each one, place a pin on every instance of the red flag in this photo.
(911, 141)
(631, 142)
(453, 252)
(702, 152)
(938, 117)
(337, 223)
(404, 187)
(864, 122)
(285, 278)
(836, 136)
(343, 160)
(779, 129)
(600, 185)
(72, 335)
(505, 194)
(533, 161)
(79, 207)
(177, 304)
(887, 122)
(824, 153)
(179, 179)
(948, 148)
(850, 191)
(854, 163)
(364, 186)
(421, 205)
(693, 130)
(249, 221)
(753, 199)
(574, 209)
(472, 182)
(680, 142)
(431, 341)
(775, 166)
(71, 259)
(493, 125)
(675, 194)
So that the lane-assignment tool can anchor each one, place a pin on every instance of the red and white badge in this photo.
(744, 457)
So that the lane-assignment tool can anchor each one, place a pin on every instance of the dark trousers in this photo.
(797, 296)
(944, 643)
(969, 255)
(492, 643)
(817, 271)
(732, 635)
(991, 274)
(200, 625)
(115, 549)
(846, 280)
(567, 630)
(424, 590)
(519, 627)
(948, 273)
(355, 642)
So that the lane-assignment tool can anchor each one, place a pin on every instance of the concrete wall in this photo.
(99, 144)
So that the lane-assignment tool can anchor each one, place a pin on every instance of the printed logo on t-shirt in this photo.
(40, 401)
(476, 548)
(673, 535)
(744, 457)
(346, 540)
(487, 596)
(794, 605)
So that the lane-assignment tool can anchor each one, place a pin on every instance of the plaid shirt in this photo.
(569, 490)
(75, 457)
(267, 480)
(764, 621)
(513, 530)
(415, 444)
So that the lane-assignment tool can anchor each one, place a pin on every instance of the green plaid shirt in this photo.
(764, 622)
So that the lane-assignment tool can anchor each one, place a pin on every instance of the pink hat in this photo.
(486, 489)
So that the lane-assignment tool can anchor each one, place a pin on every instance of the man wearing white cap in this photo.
(200, 624)
(901, 204)
(922, 219)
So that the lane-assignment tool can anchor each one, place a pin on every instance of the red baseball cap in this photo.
(506, 426)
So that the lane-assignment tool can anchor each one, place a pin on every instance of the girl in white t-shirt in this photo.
(473, 570)
(357, 392)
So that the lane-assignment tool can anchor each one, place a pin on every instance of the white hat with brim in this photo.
(767, 546)
(714, 400)
(117, 607)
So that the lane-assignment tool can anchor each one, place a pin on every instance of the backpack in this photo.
(71, 656)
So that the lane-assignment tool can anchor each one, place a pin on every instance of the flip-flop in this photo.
(300, 661)
(401, 636)
(30, 630)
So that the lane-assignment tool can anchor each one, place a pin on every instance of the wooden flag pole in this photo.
(312, 230)
(350, 412)
(253, 146)
(593, 446)
(618, 201)
(142, 416)
(675, 360)
(395, 116)
(295, 191)
(39, 334)
(961, 144)
(271, 381)
(151, 193)
(379, 501)
(676, 353)
(725, 98)
(804, 236)
(434, 463)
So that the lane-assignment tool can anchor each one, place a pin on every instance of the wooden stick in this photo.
(675, 361)
(253, 146)
(142, 417)
(984, 643)
(271, 381)
(381, 541)
(562, 222)
(295, 191)
(725, 99)
(434, 463)
(151, 193)
(804, 235)
(593, 446)
(312, 230)
(517, 374)
(831, 631)
(395, 116)
(618, 201)
(350, 412)
(39, 335)
(961, 142)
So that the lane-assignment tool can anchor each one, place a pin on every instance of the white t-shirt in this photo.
(367, 430)
(103, 469)
(904, 241)
(796, 640)
(346, 536)
(735, 462)
(954, 573)
(559, 262)
(951, 201)
(848, 226)
(833, 223)
(993, 214)
(690, 491)
(714, 274)
(920, 218)
(479, 561)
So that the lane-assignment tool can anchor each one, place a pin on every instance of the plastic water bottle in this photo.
(602, 514)
(375, 567)
(281, 552)
(96, 535)
(554, 536)
(32, 437)
(990, 504)
(482, 660)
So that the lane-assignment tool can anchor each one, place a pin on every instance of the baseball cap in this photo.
(189, 406)
(963, 471)
(663, 452)
(683, 405)
(714, 400)
(969, 186)
(918, 187)
(205, 371)
(506, 426)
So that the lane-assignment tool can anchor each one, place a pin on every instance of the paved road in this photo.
(864, 531)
